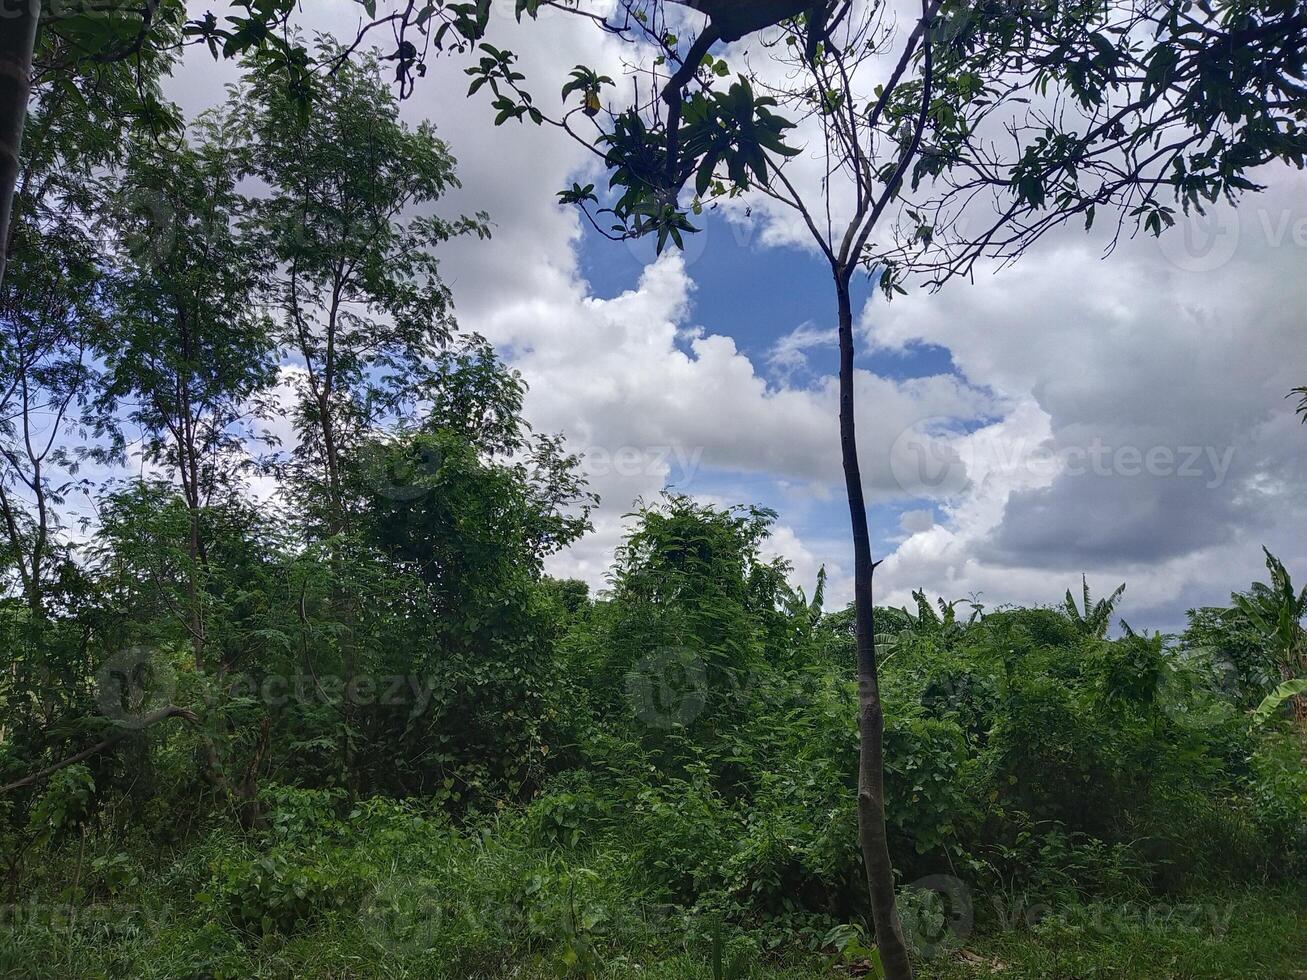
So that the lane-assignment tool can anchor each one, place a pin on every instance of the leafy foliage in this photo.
(1092, 619)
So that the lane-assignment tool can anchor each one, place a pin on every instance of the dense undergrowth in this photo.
(658, 782)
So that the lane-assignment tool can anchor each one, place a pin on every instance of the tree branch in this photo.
(163, 714)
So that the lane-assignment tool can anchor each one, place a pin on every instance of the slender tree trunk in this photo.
(194, 599)
(18, 23)
(331, 460)
(36, 598)
(336, 523)
(871, 720)
(337, 520)
(196, 552)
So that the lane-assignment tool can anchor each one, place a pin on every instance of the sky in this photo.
(1121, 417)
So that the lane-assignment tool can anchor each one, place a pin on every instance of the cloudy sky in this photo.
(1122, 417)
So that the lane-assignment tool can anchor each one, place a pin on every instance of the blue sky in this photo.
(758, 294)
(755, 293)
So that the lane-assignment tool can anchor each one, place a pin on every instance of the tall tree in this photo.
(189, 356)
(355, 278)
(464, 509)
(53, 306)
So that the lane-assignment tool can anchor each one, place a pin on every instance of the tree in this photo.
(695, 606)
(53, 308)
(453, 515)
(354, 275)
(730, 141)
(188, 353)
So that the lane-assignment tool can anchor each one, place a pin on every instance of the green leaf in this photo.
(1272, 702)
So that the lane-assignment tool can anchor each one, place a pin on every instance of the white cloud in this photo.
(1167, 453)
(646, 399)
(790, 353)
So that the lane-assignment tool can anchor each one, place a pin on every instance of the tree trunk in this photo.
(871, 720)
(18, 23)
(336, 515)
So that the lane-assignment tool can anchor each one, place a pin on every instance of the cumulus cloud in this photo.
(650, 400)
(790, 353)
(1170, 453)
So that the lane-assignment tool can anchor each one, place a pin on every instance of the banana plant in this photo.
(945, 622)
(1276, 611)
(809, 611)
(942, 625)
(1094, 620)
(1287, 691)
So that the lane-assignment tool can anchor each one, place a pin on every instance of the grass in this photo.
(393, 891)
(1249, 935)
